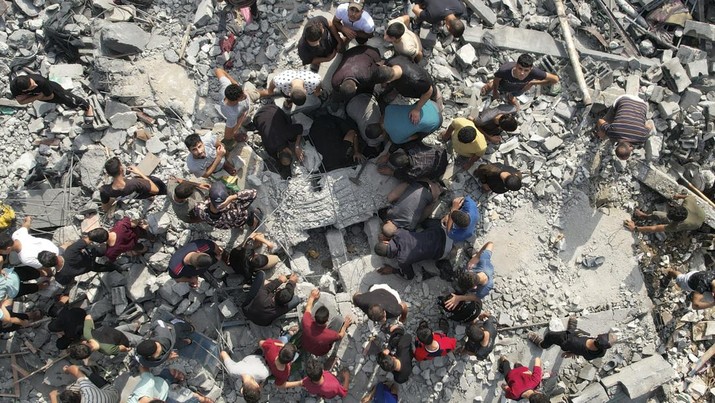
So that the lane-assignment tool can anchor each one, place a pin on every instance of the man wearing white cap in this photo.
(354, 22)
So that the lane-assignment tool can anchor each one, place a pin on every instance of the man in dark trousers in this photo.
(358, 72)
(572, 345)
(162, 341)
(515, 78)
(33, 87)
(337, 141)
(625, 124)
(415, 161)
(269, 300)
(498, 178)
(280, 136)
(397, 357)
(436, 11)
(409, 247)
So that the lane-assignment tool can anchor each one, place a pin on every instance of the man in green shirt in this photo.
(106, 340)
(687, 217)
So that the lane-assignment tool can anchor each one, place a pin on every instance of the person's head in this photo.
(389, 229)
(70, 396)
(455, 26)
(284, 295)
(523, 66)
(258, 261)
(376, 313)
(513, 182)
(383, 74)
(313, 32)
(460, 218)
(6, 243)
(475, 333)
(374, 131)
(47, 258)
(677, 213)
(251, 392)
(538, 397)
(467, 280)
(385, 361)
(195, 145)
(424, 333)
(322, 315)
(399, 159)
(201, 260)
(347, 89)
(394, 32)
(98, 235)
(218, 193)
(298, 95)
(285, 157)
(79, 351)
(287, 353)
(623, 150)
(508, 122)
(381, 249)
(113, 167)
(605, 341)
(355, 10)
(20, 84)
(313, 368)
(467, 134)
(234, 92)
(184, 190)
(149, 349)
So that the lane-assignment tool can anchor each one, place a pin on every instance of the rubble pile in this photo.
(147, 67)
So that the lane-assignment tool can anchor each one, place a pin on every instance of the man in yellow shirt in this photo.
(468, 142)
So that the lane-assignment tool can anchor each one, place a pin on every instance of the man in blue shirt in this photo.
(461, 222)
(397, 123)
(474, 283)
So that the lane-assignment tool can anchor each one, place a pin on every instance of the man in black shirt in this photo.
(277, 132)
(359, 71)
(142, 187)
(515, 78)
(337, 141)
(411, 81)
(33, 87)
(78, 258)
(269, 300)
(319, 43)
(700, 285)
(381, 303)
(161, 342)
(498, 178)
(589, 348)
(415, 161)
(481, 336)
(397, 357)
(68, 323)
(409, 247)
(435, 11)
(494, 121)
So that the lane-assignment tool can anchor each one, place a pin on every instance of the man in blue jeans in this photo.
(474, 283)
(269, 300)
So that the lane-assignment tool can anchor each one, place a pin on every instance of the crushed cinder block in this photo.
(640, 379)
(691, 96)
(336, 244)
(483, 11)
(228, 309)
(700, 30)
(697, 68)
(676, 76)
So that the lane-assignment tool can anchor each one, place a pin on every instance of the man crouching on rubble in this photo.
(700, 285)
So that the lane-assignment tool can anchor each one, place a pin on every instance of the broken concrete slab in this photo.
(49, 208)
(149, 163)
(639, 380)
(676, 76)
(483, 11)
(124, 38)
(700, 30)
(172, 86)
(594, 392)
(91, 167)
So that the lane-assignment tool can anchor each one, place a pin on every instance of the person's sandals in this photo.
(535, 338)
(257, 218)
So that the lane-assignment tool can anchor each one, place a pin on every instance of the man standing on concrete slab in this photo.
(319, 43)
(295, 85)
(406, 42)
(687, 217)
(279, 356)
(320, 382)
(318, 336)
(415, 161)
(461, 222)
(381, 303)
(429, 344)
(498, 178)
(142, 187)
(397, 357)
(412, 203)
(573, 345)
(476, 281)
(280, 136)
(192, 260)
(206, 155)
(184, 196)
(436, 11)
(364, 110)
(468, 143)
(269, 300)
(397, 122)
(700, 285)
(354, 22)
(625, 124)
(493, 122)
(358, 72)
(515, 78)
(252, 370)
(224, 211)
(337, 141)
(521, 383)
(33, 87)
(28, 247)
(235, 107)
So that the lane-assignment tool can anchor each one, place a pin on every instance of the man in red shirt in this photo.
(278, 358)
(317, 337)
(320, 382)
(522, 383)
(432, 344)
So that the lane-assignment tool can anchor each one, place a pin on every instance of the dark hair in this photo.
(347, 89)
(385, 361)
(373, 131)
(258, 261)
(395, 30)
(19, 84)
(233, 92)
(313, 30)
(381, 249)
(47, 258)
(525, 60)
(375, 313)
(399, 160)
(184, 190)
(202, 261)
(623, 150)
(424, 333)
(298, 96)
(192, 140)
(70, 396)
(79, 351)
(322, 315)
(287, 353)
(677, 213)
(284, 296)
(146, 348)
(508, 123)
(285, 158)
(467, 134)
(383, 74)
(99, 235)
(539, 397)
(460, 218)
(313, 368)
(467, 280)
(252, 393)
(475, 333)
(456, 27)
(6, 240)
(513, 182)
(112, 166)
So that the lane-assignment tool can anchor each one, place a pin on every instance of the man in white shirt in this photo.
(354, 22)
(252, 370)
(406, 42)
(28, 247)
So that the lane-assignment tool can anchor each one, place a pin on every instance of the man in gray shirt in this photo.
(413, 203)
(235, 106)
(185, 196)
(206, 155)
(364, 110)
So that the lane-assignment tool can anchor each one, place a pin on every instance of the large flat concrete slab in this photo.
(48, 208)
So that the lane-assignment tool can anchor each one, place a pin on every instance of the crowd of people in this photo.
(376, 124)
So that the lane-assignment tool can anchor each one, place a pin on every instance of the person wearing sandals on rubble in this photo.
(33, 87)
(572, 344)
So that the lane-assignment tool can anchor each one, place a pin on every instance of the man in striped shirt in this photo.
(625, 124)
(87, 392)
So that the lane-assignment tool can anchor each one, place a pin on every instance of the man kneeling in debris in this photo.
(206, 156)
(461, 222)
(88, 390)
(436, 11)
(192, 260)
(280, 136)
(185, 196)
(224, 211)
(279, 355)
(32, 87)
(337, 141)
(235, 107)
(625, 124)
(252, 370)
(475, 282)
(124, 237)
(498, 178)
(572, 345)
(522, 383)
(160, 388)
(143, 187)
(79, 258)
(493, 122)
(268, 300)
(687, 217)
(700, 285)
(246, 259)
(381, 303)
(429, 344)
(162, 342)
(412, 203)
(414, 161)
(105, 339)
(397, 357)
(515, 78)
(481, 337)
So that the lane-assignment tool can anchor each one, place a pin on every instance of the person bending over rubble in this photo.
(279, 356)
(320, 382)
(397, 356)
(498, 178)
(381, 303)
(515, 78)
(318, 335)
(383, 392)
(687, 217)
(429, 344)
(436, 11)
(319, 42)
(184, 196)
(481, 337)
(397, 122)
(235, 107)
(358, 72)
(414, 161)
(411, 81)
(625, 124)
(142, 187)
(700, 285)
(16, 281)
(364, 110)
(475, 282)
(207, 156)
(11, 321)
(269, 300)
(354, 22)
(252, 370)
(412, 203)
(521, 383)
(224, 211)
(193, 260)
(28, 247)
(245, 259)
(573, 345)
(124, 238)
(68, 323)
(159, 389)
(468, 143)
(337, 141)
(79, 258)
(33, 87)
(281, 137)
(493, 122)
(163, 340)
(461, 222)
(88, 391)
(405, 42)
(295, 85)
(105, 339)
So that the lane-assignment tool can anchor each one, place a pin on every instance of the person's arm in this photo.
(314, 294)
(27, 222)
(268, 91)
(447, 134)
(550, 79)
(222, 73)
(403, 312)
(474, 158)
(220, 152)
(55, 396)
(74, 371)
(153, 189)
(348, 32)
(346, 324)
(292, 384)
(299, 148)
(6, 318)
(631, 226)
(415, 112)
(24, 99)
(88, 327)
(455, 299)
(274, 284)
(700, 303)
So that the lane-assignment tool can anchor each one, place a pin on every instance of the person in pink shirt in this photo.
(320, 382)
(279, 357)
(521, 383)
(318, 337)
(124, 238)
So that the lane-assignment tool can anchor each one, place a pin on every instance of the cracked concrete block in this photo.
(668, 109)
(697, 68)
(483, 11)
(228, 309)
(691, 96)
(700, 30)
(138, 281)
(639, 380)
(676, 75)
(336, 244)
(372, 228)
(593, 393)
